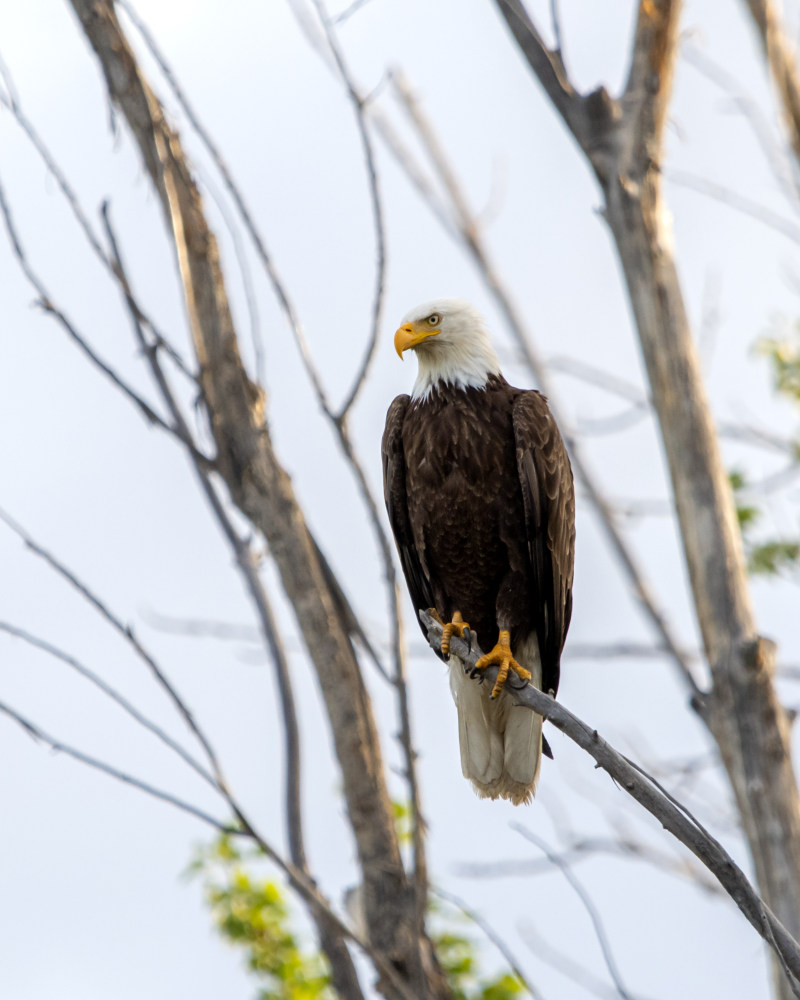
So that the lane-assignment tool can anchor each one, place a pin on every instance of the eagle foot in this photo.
(501, 657)
(456, 626)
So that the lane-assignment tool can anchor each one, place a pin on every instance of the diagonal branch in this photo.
(742, 710)
(262, 490)
(112, 693)
(652, 796)
(333, 944)
(39, 734)
(781, 59)
(566, 870)
(298, 880)
(492, 935)
(376, 205)
(127, 634)
(46, 303)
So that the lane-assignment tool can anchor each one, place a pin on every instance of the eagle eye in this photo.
(434, 319)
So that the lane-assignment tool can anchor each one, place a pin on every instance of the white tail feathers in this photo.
(501, 745)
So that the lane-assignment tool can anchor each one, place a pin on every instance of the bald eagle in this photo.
(479, 492)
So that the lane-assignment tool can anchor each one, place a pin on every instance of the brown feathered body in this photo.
(479, 491)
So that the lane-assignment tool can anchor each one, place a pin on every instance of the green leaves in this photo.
(771, 556)
(251, 913)
(784, 357)
(458, 956)
(764, 558)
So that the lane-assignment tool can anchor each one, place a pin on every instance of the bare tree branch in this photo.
(46, 303)
(566, 965)
(776, 156)
(127, 634)
(112, 693)
(55, 744)
(602, 938)
(278, 286)
(782, 62)
(375, 201)
(739, 202)
(261, 489)
(492, 935)
(584, 849)
(343, 971)
(623, 141)
(651, 795)
(297, 879)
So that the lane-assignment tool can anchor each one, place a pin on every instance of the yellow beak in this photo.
(409, 335)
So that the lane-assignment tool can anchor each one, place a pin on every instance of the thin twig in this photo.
(39, 734)
(776, 158)
(566, 870)
(278, 286)
(592, 375)
(112, 693)
(331, 942)
(348, 12)
(12, 103)
(46, 303)
(585, 848)
(739, 202)
(496, 939)
(376, 205)
(566, 964)
(124, 630)
(297, 879)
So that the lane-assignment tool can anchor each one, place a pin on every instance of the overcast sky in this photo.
(94, 906)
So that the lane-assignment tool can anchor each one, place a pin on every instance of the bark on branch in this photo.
(650, 794)
(623, 141)
(262, 490)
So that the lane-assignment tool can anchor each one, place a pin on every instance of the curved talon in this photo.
(456, 626)
(502, 657)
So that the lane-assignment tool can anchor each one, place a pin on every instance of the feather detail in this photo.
(500, 743)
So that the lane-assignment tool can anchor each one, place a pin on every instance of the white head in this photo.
(452, 345)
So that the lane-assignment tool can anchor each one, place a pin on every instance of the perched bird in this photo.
(479, 492)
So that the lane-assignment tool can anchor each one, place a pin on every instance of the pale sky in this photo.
(94, 906)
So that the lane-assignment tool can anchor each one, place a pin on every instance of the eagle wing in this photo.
(548, 495)
(394, 493)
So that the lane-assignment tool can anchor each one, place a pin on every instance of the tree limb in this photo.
(648, 793)
(261, 489)
(742, 710)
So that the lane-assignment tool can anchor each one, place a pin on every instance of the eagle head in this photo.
(452, 344)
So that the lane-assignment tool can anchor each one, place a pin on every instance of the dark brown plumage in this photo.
(479, 492)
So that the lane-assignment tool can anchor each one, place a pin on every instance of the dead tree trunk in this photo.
(262, 490)
(622, 139)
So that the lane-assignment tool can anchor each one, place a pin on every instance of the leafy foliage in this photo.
(457, 955)
(772, 555)
(251, 913)
(767, 558)
(784, 357)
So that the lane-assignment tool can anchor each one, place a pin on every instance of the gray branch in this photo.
(648, 793)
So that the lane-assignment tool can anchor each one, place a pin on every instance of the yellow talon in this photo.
(501, 657)
(457, 625)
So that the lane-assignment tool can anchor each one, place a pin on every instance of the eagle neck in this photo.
(464, 374)
(444, 392)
